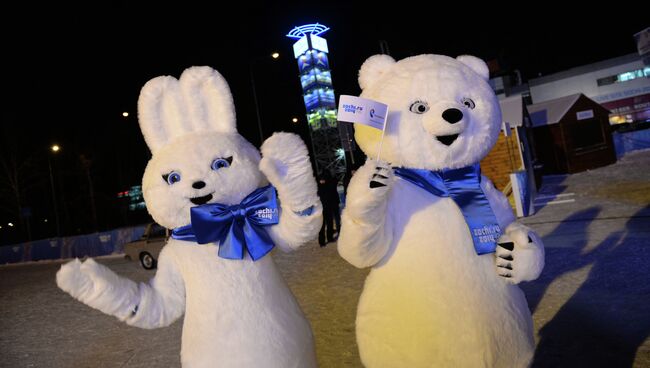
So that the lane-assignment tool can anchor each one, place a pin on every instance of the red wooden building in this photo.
(571, 134)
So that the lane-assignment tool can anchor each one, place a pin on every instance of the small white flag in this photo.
(359, 110)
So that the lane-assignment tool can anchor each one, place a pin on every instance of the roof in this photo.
(551, 111)
(512, 110)
(584, 69)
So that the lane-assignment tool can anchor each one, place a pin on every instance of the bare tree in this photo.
(19, 177)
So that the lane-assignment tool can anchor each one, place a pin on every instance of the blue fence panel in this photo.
(90, 245)
(105, 245)
(125, 235)
(631, 141)
(11, 254)
(45, 249)
(78, 245)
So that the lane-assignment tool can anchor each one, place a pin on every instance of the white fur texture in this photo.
(191, 156)
(200, 101)
(476, 64)
(238, 313)
(98, 287)
(410, 137)
(286, 165)
(365, 234)
(373, 68)
(498, 202)
(430, 300)
(527, 256)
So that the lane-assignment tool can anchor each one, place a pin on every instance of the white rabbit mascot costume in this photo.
(209, 185)
(445, 252)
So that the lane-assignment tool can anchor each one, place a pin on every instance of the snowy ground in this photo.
(591, 306)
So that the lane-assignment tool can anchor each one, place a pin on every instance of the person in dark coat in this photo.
(329, 196)
(346, 181)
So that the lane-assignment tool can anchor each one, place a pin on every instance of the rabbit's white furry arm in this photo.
(286, 164)
(156, 304)
(294, 229)
(365, 233)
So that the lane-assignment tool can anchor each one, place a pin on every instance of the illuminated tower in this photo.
(311, 53)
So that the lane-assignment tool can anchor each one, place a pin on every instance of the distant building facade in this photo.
(621, 85)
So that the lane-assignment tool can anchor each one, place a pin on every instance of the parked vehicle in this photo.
(148, 247)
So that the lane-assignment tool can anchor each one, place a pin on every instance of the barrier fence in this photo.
(631, 141)
(91, 245)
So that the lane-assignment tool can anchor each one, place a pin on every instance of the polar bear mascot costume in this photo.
(445, 252)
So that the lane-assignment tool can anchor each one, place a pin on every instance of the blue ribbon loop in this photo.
(463, 186)
(236, 227)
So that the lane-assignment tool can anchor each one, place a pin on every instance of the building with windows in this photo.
(621, 85)
(566, 119)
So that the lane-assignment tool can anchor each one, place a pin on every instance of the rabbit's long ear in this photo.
(161, 112)
(209, 99)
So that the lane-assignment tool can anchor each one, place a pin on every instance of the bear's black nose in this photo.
(198, 184)
(452, 115)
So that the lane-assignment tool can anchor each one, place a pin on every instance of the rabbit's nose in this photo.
(198, 184)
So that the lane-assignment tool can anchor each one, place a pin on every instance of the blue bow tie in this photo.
(236, 227)
(464, 187)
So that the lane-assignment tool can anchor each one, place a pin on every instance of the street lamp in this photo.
(55, 148)
(275, 56)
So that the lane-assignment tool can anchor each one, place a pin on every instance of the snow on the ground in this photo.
(591, 305)
(328, 289)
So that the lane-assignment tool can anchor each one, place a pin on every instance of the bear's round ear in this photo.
(476, 64)
(373, 68)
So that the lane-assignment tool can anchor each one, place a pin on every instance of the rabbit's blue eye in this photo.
(219, 163)
(172, 177)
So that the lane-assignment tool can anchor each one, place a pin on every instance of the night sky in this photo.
(70, 72)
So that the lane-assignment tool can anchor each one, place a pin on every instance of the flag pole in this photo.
(381, 140)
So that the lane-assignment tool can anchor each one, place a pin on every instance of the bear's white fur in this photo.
(238, 313)
(430, 300)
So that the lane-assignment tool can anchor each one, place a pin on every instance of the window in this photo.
(624, 77)
(157, 231)
(586, 134)
(607, 80)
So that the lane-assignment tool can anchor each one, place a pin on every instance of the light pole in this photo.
(275, 56)
(55, 148)
(86, 163)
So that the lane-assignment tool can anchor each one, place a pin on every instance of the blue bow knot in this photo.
(235, 227)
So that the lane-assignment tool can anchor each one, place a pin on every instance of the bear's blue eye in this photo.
(419, 107)
(219, 163)
(468, 102)
(172, 177)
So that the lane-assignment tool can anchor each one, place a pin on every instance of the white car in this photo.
(148, 247)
